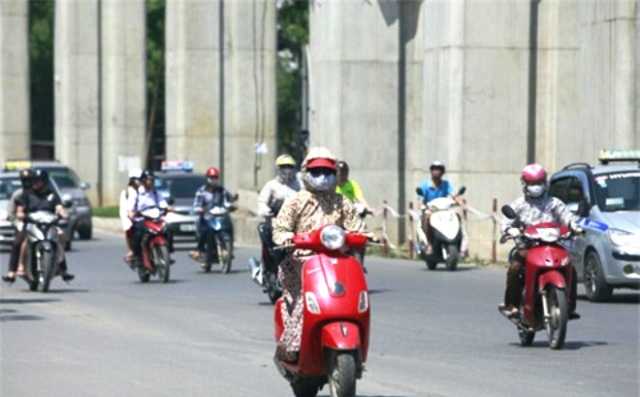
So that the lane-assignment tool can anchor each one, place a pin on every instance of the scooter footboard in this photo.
(554, 278)
(341, 336)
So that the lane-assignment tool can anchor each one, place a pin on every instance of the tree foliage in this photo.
(293, 35)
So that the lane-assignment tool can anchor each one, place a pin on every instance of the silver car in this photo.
(607, 198)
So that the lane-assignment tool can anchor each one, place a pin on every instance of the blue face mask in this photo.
(320, 182)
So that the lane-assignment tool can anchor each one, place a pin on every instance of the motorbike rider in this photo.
(130, 190)
(351, 189)
(536, 206)
(146, 197)
(19, 236)
(271, 198)
(40, 198)
(315, 206)
(209, 195)
(434, 188)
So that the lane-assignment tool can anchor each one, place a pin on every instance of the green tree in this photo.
(293, 35)
(41, 17)
(155, 82)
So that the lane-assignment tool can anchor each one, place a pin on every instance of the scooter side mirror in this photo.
(462, 190)
(419, 191)
(508, 212)
(171, 200)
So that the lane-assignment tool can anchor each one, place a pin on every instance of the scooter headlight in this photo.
(333, 237)
(363, 303)
(548, 234)
(312, 302)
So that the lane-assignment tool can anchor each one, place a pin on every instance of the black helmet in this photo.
(40, 175)
(437, 165)
(342, 166)
(26, 175)
(146, 174)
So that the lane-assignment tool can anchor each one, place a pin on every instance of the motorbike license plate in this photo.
(187, 227)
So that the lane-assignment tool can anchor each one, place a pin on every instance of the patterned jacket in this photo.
(306, 211)
(545, 209)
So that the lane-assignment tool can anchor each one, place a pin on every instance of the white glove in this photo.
(513, 231)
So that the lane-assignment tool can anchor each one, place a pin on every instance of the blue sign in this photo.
(591, 224)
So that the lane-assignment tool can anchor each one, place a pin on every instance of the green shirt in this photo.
(350, 190)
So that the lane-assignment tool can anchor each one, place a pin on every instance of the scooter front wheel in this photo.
(305, 388)
(558, 317)
(342, 377)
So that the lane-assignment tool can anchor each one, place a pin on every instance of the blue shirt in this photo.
(431, 192)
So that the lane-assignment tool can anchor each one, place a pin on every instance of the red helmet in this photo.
(533, 173)
(212, 172)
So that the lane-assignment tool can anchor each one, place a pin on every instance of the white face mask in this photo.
(536, 190)
(320, 183)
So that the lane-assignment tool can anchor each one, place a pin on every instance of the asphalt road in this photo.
(434, 333)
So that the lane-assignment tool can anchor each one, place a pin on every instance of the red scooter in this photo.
(547, 282)
(155, 247)
(335, 330)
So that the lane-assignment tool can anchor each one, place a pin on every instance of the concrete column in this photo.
(609, 75)
(123, 93)
(76, 88)
(193, 108)
(364, 67)
(14, 79)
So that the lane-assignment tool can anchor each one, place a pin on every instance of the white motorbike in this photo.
(446, 227)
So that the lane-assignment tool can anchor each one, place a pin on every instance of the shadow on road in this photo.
(379, 291)
(442, 269)
(67, 291)
(5, 301)
(19, 317)
(617, 297)
(569, 345)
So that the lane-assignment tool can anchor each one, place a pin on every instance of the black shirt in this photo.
(44, 200)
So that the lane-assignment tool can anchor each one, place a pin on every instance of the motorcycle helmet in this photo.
(146, 174)
(438, 165)
(342, 166)
(285, 160)
(534, 180)
(319, 157)
(319, 170)
(40, 175)
(212, 172)
(26, 176)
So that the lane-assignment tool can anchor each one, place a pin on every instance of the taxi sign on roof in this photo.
(607, 155)
(16, 165)
(174, 165)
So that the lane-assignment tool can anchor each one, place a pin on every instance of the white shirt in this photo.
(124, 197)
(144, 200)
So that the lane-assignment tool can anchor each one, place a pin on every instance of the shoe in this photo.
(574, 316)
(9, 278)
(67, 277)
(195, 255)
(171, 259)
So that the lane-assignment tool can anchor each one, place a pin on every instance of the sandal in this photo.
(9, 277)
(195, 255)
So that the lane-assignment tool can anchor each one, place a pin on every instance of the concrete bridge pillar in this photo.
(221, 86)
(14, 79)
(100, 146)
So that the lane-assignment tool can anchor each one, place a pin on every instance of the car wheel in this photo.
(85, 232)
(595, 284)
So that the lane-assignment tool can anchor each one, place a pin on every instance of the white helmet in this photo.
(134, 173)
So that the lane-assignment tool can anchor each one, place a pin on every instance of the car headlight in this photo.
(333, 237)
(622, 238)
(4, 215)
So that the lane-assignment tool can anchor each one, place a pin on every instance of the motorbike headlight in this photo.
(333, 237)
(363, 303)
(312, 302)
(622, 238)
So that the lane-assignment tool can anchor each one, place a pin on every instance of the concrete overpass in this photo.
(484, 86)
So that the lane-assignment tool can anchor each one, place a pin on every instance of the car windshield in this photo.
(179, 187)
(65, 179)
(618, 191)
(8, 186)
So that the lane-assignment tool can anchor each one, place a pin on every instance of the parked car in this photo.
(607, 197)
(178, 182)
(70, 188)
(9, 183)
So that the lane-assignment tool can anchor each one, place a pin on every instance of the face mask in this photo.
(212, 181)
(535, 190)
(286, 173)
(320, 182)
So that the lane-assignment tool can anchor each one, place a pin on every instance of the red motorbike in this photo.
(336, 315)
(155, 247)
(547, 281)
